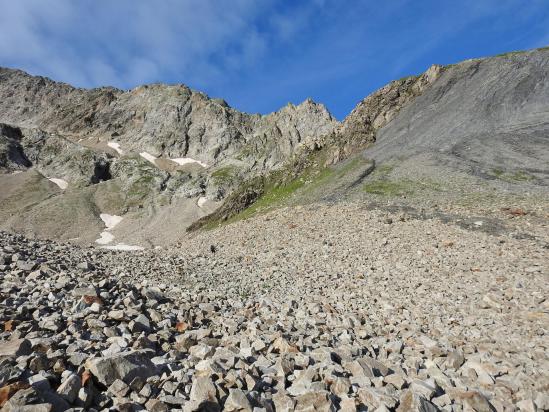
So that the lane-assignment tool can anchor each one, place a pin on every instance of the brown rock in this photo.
(8, 391)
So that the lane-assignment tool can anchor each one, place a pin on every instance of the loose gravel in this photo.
(310, 308)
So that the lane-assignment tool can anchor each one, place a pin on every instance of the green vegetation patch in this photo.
(383, 170)
(225, 174)
(272, 196)
(404, 187)
(512, 177)
(387, 188)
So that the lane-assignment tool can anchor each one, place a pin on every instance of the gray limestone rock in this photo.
(125, 366)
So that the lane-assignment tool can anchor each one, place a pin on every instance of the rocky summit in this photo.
(160, 250)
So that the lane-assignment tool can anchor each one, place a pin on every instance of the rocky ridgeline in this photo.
(165, 121)
(237, 327)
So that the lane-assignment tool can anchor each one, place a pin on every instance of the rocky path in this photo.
(316, 308)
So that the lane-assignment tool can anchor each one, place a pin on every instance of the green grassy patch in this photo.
(521, 176)
(383, 169)
(405, 187)
(386, 188)
(497, 172)
(225, 174)
(272, 197)
(512, 177)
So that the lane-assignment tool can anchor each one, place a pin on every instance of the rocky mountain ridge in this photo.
(165, 121)
(161, 151)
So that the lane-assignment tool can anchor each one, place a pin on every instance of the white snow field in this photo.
(201, 201)
(149, 157)
(186, 160)
(63, 184)
(116, 146)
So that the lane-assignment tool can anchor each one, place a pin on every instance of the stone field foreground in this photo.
(315, 308)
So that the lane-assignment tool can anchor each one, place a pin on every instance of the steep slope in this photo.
(485, 116)
(477, 129)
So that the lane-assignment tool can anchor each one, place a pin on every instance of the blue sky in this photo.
(261, 54)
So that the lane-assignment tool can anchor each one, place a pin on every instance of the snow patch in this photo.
(122, 246)
(148, 156)
(110, 220)
(186, 160)
(115, 146)
(106, 237)
(63, 184)
(201, 201)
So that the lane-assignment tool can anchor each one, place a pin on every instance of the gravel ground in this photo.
(308, 308)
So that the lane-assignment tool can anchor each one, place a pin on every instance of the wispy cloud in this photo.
(128, 41)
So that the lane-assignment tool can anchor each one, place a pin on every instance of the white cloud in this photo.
(129, 42)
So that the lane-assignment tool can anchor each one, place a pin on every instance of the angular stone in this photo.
(376, 367)
(314, 401)
(23, 396)
(340, 387)
(424, 388)
(140, 324)
(84, 398)
(455, 359)
(411, 402)
(396, 380)
(9, 373)
(374, 398)
(184, 342)
(473, 399)
(14, 348)
(203, 393)
(57, 402)
(39, 382)
(303, 383)
(6, 392)
(125, 366)
(84, 291)
(201, 351)
(542, 401)
(237, 401)
(85, 266)
(526, 405)
(155, 405)
(153, 293)
(119, 388)
(69, 388)
(283, 402)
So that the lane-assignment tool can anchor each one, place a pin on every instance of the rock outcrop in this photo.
(165, 121)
